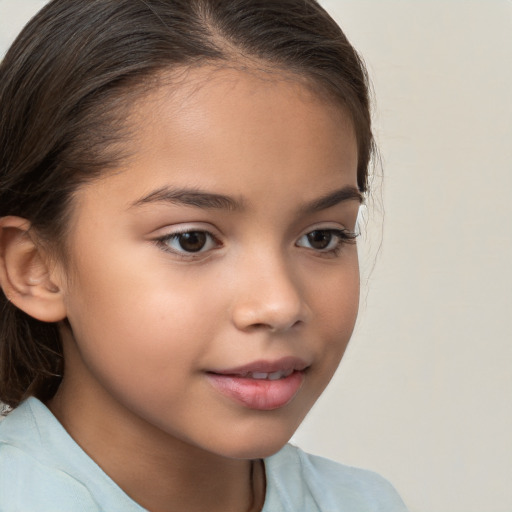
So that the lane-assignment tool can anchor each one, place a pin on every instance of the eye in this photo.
(326, 240)
(189, 242)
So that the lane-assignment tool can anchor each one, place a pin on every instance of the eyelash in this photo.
(343, 236)
(164, 243)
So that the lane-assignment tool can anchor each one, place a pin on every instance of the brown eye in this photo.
(326, 241)
(193, 241)
(320, 239)
(189, 242)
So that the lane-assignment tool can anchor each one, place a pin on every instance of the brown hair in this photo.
(66, 84)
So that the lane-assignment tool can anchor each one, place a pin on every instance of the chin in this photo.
(260, 449)
(258, 442)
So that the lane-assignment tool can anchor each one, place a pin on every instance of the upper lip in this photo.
(266, 366)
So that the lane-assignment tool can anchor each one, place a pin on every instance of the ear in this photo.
(25, 275)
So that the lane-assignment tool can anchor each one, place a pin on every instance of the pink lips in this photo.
(261, 385)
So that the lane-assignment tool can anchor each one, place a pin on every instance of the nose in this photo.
(269, 297)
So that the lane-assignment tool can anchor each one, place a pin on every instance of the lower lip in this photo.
(258, 394)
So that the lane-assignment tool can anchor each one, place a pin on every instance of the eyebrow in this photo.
(191, 197)
(206, 200)
(331, 199)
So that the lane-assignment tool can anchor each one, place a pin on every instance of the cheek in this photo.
(132, 326)
(336, 313)
(338, 299)
(335, 307)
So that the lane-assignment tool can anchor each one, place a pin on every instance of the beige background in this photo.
(424, 395)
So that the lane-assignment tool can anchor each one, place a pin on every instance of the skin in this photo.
(148, 323)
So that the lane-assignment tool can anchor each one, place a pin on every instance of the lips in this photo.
(261, 385)
(268, 376)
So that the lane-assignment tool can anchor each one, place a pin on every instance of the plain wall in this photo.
(424, 393)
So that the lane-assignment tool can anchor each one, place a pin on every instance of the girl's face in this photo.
(212, 283)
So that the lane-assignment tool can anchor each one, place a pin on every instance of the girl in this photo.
(179, 187)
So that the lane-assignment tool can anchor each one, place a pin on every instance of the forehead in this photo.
(232, 112)
(236, 131)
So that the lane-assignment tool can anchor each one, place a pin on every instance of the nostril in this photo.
(258, 327)
(263, 327)
(274, 327)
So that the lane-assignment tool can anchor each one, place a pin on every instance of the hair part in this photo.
(67, 86)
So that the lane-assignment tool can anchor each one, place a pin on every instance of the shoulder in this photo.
(28, 481)
(29, 485)
(296, 478)
(42, 469)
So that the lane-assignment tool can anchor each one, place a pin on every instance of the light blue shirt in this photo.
(42, 469)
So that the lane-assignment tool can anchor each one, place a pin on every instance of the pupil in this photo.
(193, 241)
(319, 239)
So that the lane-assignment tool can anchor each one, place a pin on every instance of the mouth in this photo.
(261, 385)
(280, 374)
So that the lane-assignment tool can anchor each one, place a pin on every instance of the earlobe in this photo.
(25, 275)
